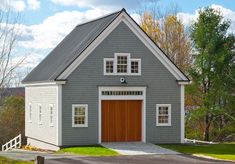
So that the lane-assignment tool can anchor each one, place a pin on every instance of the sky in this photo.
(44, 23)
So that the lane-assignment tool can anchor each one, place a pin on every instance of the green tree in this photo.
(213, 70)
(12, 118)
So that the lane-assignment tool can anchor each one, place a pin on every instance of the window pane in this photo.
(122, 59)
(122, 68)
(134, 67)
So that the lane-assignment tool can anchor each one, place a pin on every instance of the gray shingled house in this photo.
(107, 81)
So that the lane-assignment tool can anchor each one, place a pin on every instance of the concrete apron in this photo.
(137, 148)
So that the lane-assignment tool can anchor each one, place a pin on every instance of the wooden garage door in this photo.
(121, 120)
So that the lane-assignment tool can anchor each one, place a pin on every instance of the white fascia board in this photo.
(123, 17)
(184, 82)
(45, 83)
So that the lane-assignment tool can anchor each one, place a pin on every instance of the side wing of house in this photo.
(42, 114)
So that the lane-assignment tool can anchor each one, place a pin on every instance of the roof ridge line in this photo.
(101, 17)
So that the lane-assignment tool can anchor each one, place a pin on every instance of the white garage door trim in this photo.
(124, 93)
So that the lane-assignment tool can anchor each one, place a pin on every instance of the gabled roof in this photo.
(83, 39)
(69, 49)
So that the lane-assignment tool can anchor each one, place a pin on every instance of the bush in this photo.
(12, 119)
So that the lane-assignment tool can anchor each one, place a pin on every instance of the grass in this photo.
(4, 160)
(224, 151)
(93, 150)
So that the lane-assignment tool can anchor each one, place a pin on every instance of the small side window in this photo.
(30, 112)
(51, 114)
(79, 115)
(163, 115)
(39, 114)
(108, 66)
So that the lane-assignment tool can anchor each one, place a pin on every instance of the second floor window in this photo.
(122, 64)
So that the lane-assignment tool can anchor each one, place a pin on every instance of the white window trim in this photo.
(169, 114)
(129, 59)
(40, 121)
(30, 112)
(51, 124)
(128, 63)
(139, 66)
(105, 60)
(86, 115)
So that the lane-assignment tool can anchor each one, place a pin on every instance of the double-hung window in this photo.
(51, 114)
(135, 66)
(30, 112)
(108, 66)
(39, 114)
(163, 114)
(122, 64)
(79, 115)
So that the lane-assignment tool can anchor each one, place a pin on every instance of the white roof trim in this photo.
(184, 82)
(123, 17)
(45, 83)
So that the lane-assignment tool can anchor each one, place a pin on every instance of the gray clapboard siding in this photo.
(82, 88)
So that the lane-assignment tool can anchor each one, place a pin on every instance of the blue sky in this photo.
(48, 8)
(44, 23)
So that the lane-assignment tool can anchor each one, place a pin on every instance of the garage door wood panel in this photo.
(121, 120)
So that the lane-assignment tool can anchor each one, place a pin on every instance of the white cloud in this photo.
(53, 29)
(187, 18)
(33, 4)
(15, 5)
(18, 5)
(136, 17)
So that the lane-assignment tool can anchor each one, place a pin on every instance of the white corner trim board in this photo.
(124, 97)
(59, 115)
(123, 17)
(182, 113)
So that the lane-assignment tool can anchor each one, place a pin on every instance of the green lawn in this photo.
(4, 160)
(220, 151)
(94, 150)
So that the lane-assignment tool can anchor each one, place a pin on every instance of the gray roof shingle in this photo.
(69, 49)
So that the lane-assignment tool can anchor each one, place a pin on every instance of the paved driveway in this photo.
(136, 159)
(137, 148)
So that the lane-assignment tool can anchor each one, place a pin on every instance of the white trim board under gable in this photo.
(124, 17)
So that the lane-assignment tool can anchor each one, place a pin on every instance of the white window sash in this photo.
(169, 114)
(30, 112)
(51, 115)
(40, 114)
(86, 115)
(105, 62)
(139, 66)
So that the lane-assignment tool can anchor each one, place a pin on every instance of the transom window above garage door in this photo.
(124, 93)
(122, 64)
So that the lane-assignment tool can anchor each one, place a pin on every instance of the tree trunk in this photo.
(207, 128)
